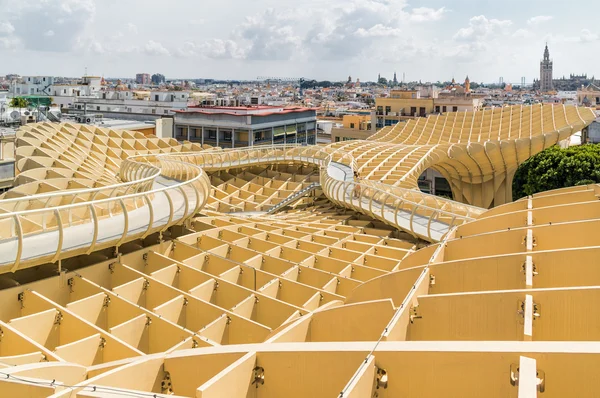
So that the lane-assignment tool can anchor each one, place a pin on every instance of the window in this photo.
(156, 97)
(337, 139)
(455, 109)
(97, 108)
(380, 110)
(166, 111)
(153, 110)
(388, 110)
(437, 109)
(212, 134)
(444, 108)
(413, 110)
(348, 139)
(351, 125)
(422, 111)
(442, 187)
(227, 135)
(64, 90)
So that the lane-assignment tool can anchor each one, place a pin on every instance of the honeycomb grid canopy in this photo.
(176, 280)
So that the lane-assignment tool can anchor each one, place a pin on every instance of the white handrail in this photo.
(186, 190)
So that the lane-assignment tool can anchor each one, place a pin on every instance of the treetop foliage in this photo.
(556, 168)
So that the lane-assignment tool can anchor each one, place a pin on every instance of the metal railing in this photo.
(161, 190)
(294, 197)
(158, 192)
(423, 215)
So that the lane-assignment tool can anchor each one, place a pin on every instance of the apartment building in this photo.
(353, 127)
(143, 78)
(246, 125)
(133, 102)
(402, 105)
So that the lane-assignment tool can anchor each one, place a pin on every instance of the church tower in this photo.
(467, 85)
(546, 72)
(395, 79)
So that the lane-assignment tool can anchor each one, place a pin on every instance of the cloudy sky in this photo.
(321, 39)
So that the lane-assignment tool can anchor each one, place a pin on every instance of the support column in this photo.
(296, 133)
(217, 136)
(284, 134)
(316, 129)
(188, 132)
(202, 138)
(233, 138)
(272, 135)
(306, 132)
(250, 137)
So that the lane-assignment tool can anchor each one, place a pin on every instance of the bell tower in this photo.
(546, 72)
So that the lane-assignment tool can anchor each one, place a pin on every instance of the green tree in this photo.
(18, 102)
(382, 80)
(556, 168)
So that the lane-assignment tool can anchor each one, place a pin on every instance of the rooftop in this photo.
(144, 267)
(243, 110)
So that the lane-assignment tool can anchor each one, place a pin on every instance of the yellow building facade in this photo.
(139, 266)
(401, 105)
(354, 127)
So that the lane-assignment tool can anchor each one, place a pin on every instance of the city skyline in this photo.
(426, 40)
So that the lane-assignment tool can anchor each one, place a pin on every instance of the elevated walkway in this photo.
(172, 188)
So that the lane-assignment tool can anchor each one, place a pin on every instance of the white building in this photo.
(32, 85)
(63, 94)
(137, 102)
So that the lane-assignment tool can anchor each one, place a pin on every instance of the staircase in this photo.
(52, 117)
(295, 197)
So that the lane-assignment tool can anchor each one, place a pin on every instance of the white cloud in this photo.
(97, 48)
(288, 33)
(425, 14)
(51, 25)
(6, 28)
(539, 19)
(316, 38)
(521, 33)
(377, 31)
(586, 36)
(155, 48)
(357, 28)
(481, 28)
(7, 39)
(132, 28)
(269, 35)
(8, 43)
(188, 49)
(219, 49)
